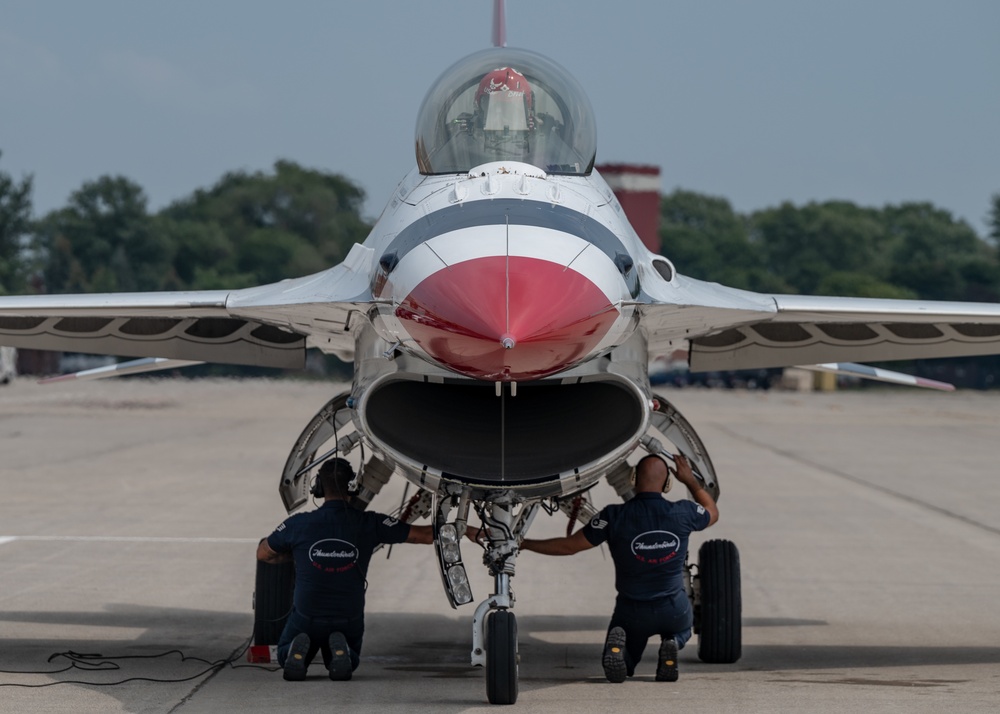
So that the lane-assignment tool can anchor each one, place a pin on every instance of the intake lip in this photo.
(464, 430)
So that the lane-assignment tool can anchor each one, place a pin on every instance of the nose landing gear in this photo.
(494, 626)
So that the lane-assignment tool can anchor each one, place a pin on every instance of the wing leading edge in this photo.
(267, 326)
(272, 325)
(800, 329)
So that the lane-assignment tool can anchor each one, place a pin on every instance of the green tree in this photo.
(803, 245)
(15, 225)
(105, 241)
(705, 238)
(204, 256)
(994, 219)
(861, 285)
(936, 256)
(265, 227)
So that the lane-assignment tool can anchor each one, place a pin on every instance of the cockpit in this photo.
(506, 104)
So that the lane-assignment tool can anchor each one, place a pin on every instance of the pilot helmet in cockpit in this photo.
(505, 113)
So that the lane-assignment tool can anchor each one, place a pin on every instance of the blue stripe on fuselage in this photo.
(514, 212)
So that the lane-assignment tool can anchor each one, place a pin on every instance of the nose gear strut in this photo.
(494, 627)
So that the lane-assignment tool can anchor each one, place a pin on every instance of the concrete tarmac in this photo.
(868, 526)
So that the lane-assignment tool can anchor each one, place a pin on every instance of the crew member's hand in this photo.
(684, 473)
(699, 492)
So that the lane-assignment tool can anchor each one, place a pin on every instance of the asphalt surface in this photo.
(868, 526)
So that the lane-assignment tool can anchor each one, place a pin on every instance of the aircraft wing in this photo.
(785, 330)
(267, 326)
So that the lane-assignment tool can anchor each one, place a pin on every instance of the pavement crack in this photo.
(222, 665)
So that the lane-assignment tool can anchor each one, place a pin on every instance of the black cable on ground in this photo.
(95, 662)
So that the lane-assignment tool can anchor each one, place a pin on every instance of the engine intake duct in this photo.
(470, 434)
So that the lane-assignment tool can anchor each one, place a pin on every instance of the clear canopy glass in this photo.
(505, 104)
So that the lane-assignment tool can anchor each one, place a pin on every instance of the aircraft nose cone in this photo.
(507, 318)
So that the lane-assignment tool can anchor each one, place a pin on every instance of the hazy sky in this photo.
(872, 101)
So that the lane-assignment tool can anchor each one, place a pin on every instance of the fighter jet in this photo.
(500, 317)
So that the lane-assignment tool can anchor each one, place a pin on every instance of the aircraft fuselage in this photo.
(512, 292)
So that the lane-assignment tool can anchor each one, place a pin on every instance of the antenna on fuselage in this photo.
(499, 24)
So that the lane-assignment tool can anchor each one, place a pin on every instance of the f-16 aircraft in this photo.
(500, 318)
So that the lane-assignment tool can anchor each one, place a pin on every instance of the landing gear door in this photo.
(331, 419)
(678, 431)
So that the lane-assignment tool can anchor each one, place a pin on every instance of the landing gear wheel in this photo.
(720, 636)
(272, 600)
(501, 657)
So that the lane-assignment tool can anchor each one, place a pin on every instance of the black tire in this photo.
(720, 627)
(272, 600)
(501, 657)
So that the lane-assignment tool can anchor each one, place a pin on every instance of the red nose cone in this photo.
(507, 318)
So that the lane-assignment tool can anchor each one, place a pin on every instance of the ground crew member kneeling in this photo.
(331, 547)
(648, 539)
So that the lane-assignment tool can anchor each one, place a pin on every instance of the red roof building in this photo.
(637, 188)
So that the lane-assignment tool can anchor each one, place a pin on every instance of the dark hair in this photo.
(336, 476)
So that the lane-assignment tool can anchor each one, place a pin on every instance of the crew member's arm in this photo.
(567, 545)
(268, 555)
(698, 492)
(421, 534)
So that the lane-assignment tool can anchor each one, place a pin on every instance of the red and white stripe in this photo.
(554, 297)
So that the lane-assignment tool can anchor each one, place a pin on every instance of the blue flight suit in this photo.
(648, 539)
(332, 547)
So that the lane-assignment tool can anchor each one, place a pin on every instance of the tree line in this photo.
(246, 230)
(255, 228)
(911, 250)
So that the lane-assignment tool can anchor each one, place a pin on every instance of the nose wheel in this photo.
(494, 643)
(501, 657)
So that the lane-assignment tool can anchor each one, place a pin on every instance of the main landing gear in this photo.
(714, 583)
(718, 602)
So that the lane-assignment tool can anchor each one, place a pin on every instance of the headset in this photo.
(316, 490)
(317, 485)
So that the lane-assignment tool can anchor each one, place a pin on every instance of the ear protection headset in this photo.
(317, 487)
(668, 482)
(337, 464)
